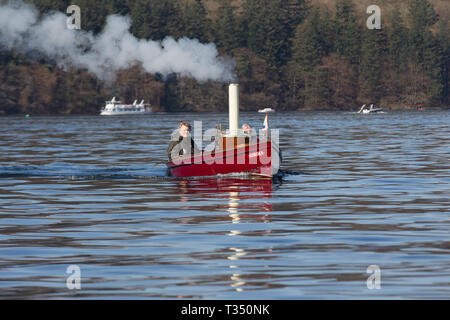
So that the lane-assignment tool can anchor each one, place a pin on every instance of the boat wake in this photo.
(73, 171)
(85, 172)
(289, 172)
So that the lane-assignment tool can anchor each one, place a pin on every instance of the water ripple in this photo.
(355, 190)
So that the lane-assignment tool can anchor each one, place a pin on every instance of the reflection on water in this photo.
(264, 189)
(238, 282)
(93, 192)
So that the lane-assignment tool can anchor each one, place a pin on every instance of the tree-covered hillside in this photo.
(289, 54)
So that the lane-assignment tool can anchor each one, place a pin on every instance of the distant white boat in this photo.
(366, 109)
(266, 110)
(115, 107)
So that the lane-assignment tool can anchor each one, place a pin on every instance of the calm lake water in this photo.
(357, 190)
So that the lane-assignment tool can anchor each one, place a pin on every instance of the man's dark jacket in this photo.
(180, 146)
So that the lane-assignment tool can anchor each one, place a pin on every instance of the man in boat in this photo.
(250, 133)
(181, 143)
(246, 128)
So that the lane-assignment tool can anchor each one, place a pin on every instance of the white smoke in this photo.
(114, 49)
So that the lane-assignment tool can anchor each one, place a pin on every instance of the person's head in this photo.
(184, 129)
(246, 128)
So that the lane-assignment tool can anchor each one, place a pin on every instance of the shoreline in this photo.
(396, 108)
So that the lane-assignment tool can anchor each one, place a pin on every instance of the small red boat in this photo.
(235, 153)
(261, 158)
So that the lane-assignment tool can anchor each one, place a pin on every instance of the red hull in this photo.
(254, 159)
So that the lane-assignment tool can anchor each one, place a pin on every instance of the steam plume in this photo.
(114, 49)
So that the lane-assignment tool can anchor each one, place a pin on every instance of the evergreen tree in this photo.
(326, 31)
(372, 63)
(243, 66)
(309, 45)
(45, 6)
(293, 83)
(347, 31)
(153, 19)
(175, 25)
(225, 27)
(294, 13)
(307, 78)
(398, 46)
(316, 91)
(434, 66)
(171, 100)
(157, 20)
(140, 13)
(196, 22)
(426, 50)
(268, 31)
(119, 7)
(423, 16)
(252, 21)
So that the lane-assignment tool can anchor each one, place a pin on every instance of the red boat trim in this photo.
(244, 149)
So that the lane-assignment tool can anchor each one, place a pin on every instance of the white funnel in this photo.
(234, 109)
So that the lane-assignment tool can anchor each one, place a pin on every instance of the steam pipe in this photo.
(234, 109)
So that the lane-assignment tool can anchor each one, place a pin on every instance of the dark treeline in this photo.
(290, 54)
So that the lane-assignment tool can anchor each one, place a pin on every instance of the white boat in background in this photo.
(366, 109)
(115, 107)
(266, 110)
